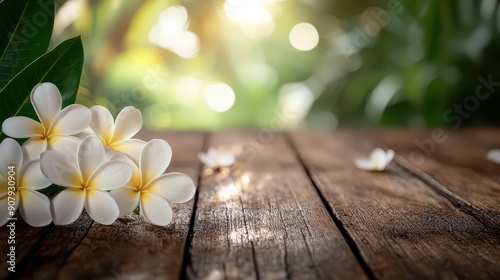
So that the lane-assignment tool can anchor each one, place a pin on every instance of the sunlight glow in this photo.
(296, 100)
(304, 36)
(228, 192)
(255, 20)
(171, 33)
(219, 97)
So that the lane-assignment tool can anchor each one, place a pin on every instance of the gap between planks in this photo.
(348, 238)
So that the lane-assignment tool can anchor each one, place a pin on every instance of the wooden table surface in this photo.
(295, 207)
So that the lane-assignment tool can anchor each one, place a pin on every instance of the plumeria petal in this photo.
(64, 143)
(67, 206)
(126, 199)
(91, 155)
(389, 156)
(71, 120)
(101, 207)
(364, 164)
(226, 159)
(494, 155)
(34, 147)
(154, 160)
(127, 124)
(174, 187)
(135, 180)
(10, 155)
(102, 123)
(22, 127)
(110, 175)
(35, 208)
(133, 147)
(377, 156)
(155, 209)
(207, 160)
(31, 176)
(60, 169)
(85, 133)
(378, 161)
(47, 101)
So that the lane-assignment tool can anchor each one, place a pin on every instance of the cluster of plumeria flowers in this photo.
(94, 158)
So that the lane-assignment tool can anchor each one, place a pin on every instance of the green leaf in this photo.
(25, 31)
(62, 66)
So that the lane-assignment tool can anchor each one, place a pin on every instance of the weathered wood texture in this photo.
(264, 218)
(295, 207)
(459, 166)
(403, 228)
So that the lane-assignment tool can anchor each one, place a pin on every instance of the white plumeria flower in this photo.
(151, 190)
(117, 134)
(378, 161)
(87, 181)
(494, 156)
(33, 206)
(56, 127)
(216, 159)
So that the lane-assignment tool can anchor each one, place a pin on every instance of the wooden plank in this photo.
(403, 229)
(130, 247)
(264, 218)
(26, 237)
(457, 163)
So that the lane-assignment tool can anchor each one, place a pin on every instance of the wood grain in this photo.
(403, 228)
(264, 219)
(457, 162)
(26, 237)
(130, 248)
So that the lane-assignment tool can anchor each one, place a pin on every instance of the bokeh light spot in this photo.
(219, 97)
(304, 36)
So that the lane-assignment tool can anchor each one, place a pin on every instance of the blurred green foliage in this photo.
(377, 63)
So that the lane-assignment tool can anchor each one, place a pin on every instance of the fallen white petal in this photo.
(102, 123)
(133, 147)
(110, 175)
(126, 199)
(91, 155)
(155, 209)
(494, 156)
(101, 207)
(389, 156)
(71, 120)
(47, 101)
(67, 206)
(206, 160)
(226, 159)
(174, 187)
(154, 160)
(10, 155)
(377, 156)
(60, 170)
(34, 147)
(31, 176)
(35, 208)
(364, 164)
(127, 124)
(22, 127)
